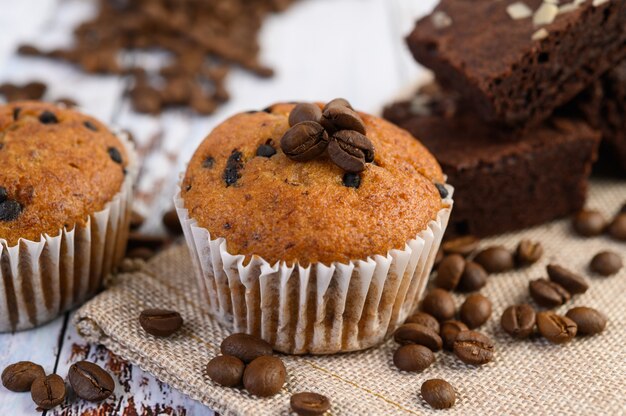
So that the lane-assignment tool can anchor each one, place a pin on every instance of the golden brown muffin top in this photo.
(283, 210)
(58, 167)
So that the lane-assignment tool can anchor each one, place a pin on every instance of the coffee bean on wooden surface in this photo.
(474, 348)
(528, 252)
(518, 320)
(90, 381)
(495, 259)
(617, 228)
(425, 319)
(589, 321)
(588, 223)
(304, 141)
(19, 376)
(413, 357)
(449, 331)
(475, 311)
(449, 272)
(569, 280)
(226, 370)
(305, 112)
(309, 404)
(264, 376)
(556, 328)
(463, 246)
(246, 347)
(418, 334)
(440, 304)
(160, 322)
(474, 278)
(606, 263)
(438, 393)
(48, 391)
(547, 293)
(172, 223)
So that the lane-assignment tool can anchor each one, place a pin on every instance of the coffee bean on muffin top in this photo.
(58, 167)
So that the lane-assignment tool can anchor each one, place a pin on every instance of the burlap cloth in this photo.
(532, 377)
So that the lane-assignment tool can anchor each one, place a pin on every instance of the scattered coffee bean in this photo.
(90, 125)
(443, 192)
(233, 167)
(570, 281)
(547, 293)
(10, 210)
(305, 112)
(449, 272)
(208, 162)
(474, 278)
(338, 117)
(606, 263)
(472, 347)
(475, 311)
(18, 377)
(449, 332)
(518, 320)
(350, 150)
(115, 155)
(160, 322)
(226, 370)
(265, 376)
(48, 391)
(589, 223)
(556, 328)
(90, 381)
(438, 393)
(528, 252)
(418, 334)
(265, 150)
(304, 141)
(351, 180)
(617, 228)
(589, 321)
(48, 117)
(245, 347)
(172, 222)
(424, 319)
(495, 259)
(413, 357)
(462, 245)
(309, 404)
(440, 304)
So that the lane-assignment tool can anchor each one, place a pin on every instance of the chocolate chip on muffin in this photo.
(90, 125)
(48, 117)
(115, 154)
(208, 162)
(233, 167)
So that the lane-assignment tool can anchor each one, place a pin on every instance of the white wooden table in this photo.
(321, 49)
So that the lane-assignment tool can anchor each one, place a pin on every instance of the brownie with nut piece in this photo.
(517, 61)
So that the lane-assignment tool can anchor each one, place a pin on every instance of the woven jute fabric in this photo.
(530, 377)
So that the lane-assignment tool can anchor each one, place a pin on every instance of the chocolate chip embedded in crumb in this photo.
(3, 194)
(10, 210)
(233, 167)
(90, 125)
(208, 162)
(352, 180)
(16, 113)
(443, 192)
(48, 117)
(115, 155)
(265, 150)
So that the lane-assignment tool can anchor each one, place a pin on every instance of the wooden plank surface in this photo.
(321, 49)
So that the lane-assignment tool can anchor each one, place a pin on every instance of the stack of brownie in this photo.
(524, 93)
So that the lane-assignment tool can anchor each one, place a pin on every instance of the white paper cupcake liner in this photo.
(42, 279)
(317, 309)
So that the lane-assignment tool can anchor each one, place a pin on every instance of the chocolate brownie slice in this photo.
(501, 185)
(518, 60)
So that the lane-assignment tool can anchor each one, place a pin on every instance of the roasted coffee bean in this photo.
(440, 304)
(10, 210)
(472, 347)
(589, 321)
(265, 376)
(495, 259)
(136, 220)
(226, 370)
(518, 321)
(474, 278)
(350, 150)
(338, 117)
(589, 223)
(606, 263)
(418, 334)
(449, 332)
(462, 245)
(556, 328)
(438, 393)
(449, 272)
(617, 228)
(172, 222)
(623, 209)
(569, 280)
(304, 141)
(443, 192)
(351, 180)
(160, 322)
(528, 252)
(425, 319)
(18, 377)
(413, 357)
(305, 112)
(338, 102)
(475, 311)
(265, 150)
(48, 117)
(309, 404)
(245, 347)
(115, 155)
(90, 381)
(547, 293)
(90, 125)
(233, 167)
(48, 391)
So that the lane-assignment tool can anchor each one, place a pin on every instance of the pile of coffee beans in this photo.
(88, 380)
(591, 223)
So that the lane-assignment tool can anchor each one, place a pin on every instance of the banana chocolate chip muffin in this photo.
(64, 195)
(313, 226)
